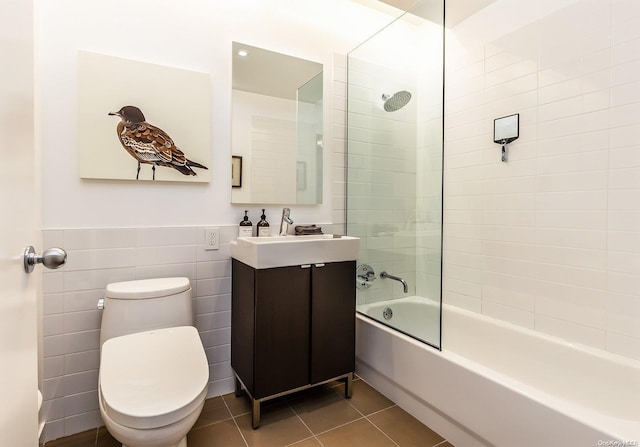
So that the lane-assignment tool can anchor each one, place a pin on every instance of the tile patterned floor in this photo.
(316, 417)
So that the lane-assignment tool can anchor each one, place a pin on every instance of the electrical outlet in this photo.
(212, 238)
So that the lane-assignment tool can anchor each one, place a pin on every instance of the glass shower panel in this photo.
(309, 142)
(394, 170)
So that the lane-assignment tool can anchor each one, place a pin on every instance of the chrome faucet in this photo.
(285, 222)
(397, 278)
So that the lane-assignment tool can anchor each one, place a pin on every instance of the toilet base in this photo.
(159, 437)
(182, 443)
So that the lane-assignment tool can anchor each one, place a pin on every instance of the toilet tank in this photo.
(144, 305)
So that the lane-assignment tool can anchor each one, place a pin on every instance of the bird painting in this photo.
(150, 144)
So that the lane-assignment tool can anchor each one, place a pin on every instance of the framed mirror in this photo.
(276, 127)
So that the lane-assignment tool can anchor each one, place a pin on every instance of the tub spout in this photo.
(396, 278)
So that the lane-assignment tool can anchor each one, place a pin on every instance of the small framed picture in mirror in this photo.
(236, 171)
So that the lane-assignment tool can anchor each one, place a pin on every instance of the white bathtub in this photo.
(498, 384)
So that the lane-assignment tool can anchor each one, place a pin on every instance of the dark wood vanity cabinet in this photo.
(292, 326)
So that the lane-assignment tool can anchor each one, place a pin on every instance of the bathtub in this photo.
(498, 384)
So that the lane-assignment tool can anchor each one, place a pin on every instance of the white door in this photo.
(19, 211)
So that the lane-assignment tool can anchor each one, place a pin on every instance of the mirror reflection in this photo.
(276, 127)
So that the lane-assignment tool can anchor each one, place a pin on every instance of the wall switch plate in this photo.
(212, 238)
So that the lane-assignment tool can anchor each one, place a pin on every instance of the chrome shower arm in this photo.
(396, 278)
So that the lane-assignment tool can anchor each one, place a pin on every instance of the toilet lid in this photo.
(154, 378)
(147, 288)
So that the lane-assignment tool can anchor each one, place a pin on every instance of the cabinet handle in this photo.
(305, 266)
(318, 265)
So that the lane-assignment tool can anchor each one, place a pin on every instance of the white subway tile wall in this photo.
(549, 240)
(71, 321)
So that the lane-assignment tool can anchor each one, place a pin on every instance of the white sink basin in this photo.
(282, 251)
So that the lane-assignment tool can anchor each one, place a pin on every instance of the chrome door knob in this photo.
(52, 258)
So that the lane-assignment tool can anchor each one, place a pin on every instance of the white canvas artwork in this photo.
(164, 115)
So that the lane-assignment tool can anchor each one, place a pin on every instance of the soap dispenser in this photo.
(263, 226)
(246, 227)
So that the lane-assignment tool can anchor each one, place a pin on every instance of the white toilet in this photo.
(153, 368)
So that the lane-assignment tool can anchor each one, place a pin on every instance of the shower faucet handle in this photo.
(365, 276)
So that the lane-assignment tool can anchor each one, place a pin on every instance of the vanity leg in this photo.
(255, 413)
(348, 386)
(238, 387)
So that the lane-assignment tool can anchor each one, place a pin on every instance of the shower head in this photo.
(396, 101)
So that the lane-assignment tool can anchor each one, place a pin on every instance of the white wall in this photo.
(193, 35)
(548, 240)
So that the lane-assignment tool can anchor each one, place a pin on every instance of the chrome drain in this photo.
(387, 313)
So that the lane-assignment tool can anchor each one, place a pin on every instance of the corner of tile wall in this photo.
(339, 129)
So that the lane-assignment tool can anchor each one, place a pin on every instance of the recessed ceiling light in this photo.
(242, 53)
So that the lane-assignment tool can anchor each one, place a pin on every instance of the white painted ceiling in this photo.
(456, 10)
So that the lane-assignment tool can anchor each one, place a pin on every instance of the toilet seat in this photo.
(154, 378)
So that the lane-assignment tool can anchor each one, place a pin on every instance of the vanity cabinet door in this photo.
(282, 314)
(333, 318)
(242, 322)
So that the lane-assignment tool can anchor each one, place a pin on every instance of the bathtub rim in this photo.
(612, 428)
(616, 358)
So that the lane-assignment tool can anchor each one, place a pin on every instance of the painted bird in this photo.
(150, 144)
